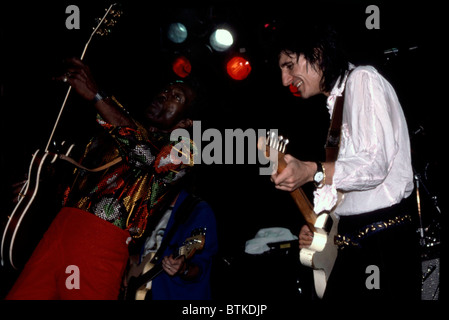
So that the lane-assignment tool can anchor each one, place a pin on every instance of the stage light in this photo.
(182, 66)
(177, 32)
(238, 68)
(221, 40)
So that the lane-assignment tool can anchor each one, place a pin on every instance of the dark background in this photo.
(134, 61)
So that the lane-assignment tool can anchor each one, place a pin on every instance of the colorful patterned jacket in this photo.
(129, 192)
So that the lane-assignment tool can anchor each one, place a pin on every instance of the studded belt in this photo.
(354, 239)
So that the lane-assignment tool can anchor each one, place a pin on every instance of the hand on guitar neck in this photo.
(179, 265)
(295, 173)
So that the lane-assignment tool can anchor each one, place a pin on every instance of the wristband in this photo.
(100, 95)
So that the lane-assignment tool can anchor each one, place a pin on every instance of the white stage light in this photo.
(221, 40)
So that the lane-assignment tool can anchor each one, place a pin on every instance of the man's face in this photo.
(166, 111)
(300, 73)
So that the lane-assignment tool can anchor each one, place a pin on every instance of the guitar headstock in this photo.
(278, 143)
(104, 25)
(193, 243)
(108, 21)
(273, 146)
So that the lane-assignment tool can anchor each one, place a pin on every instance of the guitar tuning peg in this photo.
(285, 142)
(116, 13)
(280, 143)
(272, 139)
(267, 139)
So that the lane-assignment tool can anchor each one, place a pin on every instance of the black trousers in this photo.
(387, 265)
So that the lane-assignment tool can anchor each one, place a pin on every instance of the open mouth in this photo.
(294, 88)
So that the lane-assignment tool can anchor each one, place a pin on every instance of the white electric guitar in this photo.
(322, 253)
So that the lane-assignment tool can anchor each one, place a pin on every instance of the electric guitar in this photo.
(140, 276)
(322, 252)
(16, 247)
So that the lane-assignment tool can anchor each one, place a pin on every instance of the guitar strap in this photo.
(181, 216)
(78, 165)
(334, 133)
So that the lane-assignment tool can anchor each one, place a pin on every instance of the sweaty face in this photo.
(300, 73)
(167, 108)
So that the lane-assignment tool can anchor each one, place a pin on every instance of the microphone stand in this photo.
(423, 239)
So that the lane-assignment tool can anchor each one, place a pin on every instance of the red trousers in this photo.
(80, 257)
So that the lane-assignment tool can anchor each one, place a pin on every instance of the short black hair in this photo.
(321, 47)
(195, 106)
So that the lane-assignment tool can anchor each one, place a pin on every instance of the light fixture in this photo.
(221, 40)
(181, 66)
(177, 32)
(238, 68)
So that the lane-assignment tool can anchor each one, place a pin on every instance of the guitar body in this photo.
(22, 228)
(322, 253)
(142, 291)
(135, 290)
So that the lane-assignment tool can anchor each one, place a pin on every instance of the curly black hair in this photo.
(321, 48)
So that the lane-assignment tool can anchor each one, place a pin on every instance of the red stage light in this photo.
(182, 67)
(238, 68)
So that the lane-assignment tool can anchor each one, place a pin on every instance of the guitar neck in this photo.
(70, 87)
(300, 198)
(304, 205)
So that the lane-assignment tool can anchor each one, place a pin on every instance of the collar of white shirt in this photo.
(337, 90)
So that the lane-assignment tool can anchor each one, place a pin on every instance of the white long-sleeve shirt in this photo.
(373, 168)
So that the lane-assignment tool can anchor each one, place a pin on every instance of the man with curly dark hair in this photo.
(372, 170)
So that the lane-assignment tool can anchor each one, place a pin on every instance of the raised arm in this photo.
(79, 76)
